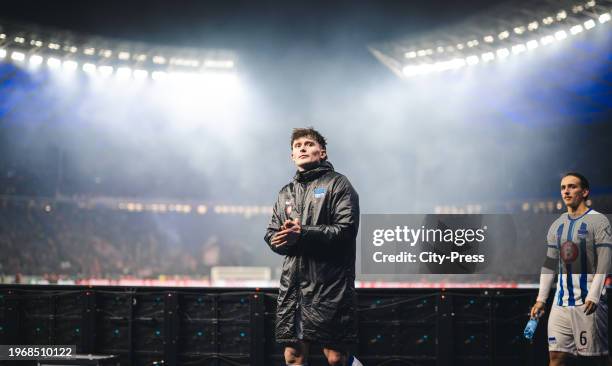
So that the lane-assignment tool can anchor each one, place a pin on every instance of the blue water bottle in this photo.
(530, 329)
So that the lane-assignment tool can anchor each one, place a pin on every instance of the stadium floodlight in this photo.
(472, 60)
(519, 30)
(518, 48)
(502, 53)
(488, 39)
(2, 36)
(70, 65)
(72, 49)
(124, 72)
(53, 46)
(459, 46)
(19, 40)
(421, 53)
(410, 54)
(590, 4)
(89, 68)
(472, 43)
(560, 35)
(160, 60)
(576, 29)
(546, 40)
(140, 74)
(577, 9)
(589, 24)
(89, 51)
(487, 56)
(124, 55)
(2, 53)
(53, 63)
(159, 75)
(140, 58)
(17, 56)
(533, 25)
(440, 49)
(105, 70)
(561, 15)
(532, 44)
(605, 17)
(106, 53)
(453, 64)
(411, 70)
(548, 20)
(503, 35)
(36, 43)
(36, 60)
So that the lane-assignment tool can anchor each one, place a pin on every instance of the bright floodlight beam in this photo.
(70, 65)
(54, 63)
(36, 60)
(17, 56)
(105, 70)
(89, 68)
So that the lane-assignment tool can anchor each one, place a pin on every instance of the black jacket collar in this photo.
(313, 172)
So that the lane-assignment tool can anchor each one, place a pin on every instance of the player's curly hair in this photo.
(309, 132)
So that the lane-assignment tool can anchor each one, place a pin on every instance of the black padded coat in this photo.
(316, 300)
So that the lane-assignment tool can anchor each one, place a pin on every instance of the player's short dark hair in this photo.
(309, 132)
(584, 182)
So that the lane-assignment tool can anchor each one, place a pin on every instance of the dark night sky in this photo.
(246, 24)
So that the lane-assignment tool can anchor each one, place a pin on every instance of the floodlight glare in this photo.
(546, 40)
(605, 17)
(124, 55)
(2, 53)
(105, 70)
(519, 48)
(17, 56)
(140, 74)
(410, 54)
(70, 65)
(19, 39)
(548, 20)
(124, 72)
(489, 39)
(504, 35)
(560, 35)
(160, 60)
(159, 75)
(89, 51)
(533, 26)
(89, 68)
(589, 24)
(503, 53)
(36, 60)
(561, 15)
(576, 29)
(532, 44)
(54, 46)
(487, 56)
(53, 62)
(472, 60)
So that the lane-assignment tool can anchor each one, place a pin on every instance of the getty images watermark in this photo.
(501, 244)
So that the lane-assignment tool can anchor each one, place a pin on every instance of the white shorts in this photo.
(571, 330)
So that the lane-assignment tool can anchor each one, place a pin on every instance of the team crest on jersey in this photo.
(552, 340)
(319, 192)
(582, 234)
(569, 252)
(288, 208)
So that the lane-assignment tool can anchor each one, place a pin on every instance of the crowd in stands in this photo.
(65, 240)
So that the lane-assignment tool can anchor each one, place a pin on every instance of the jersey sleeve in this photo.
(549, 267)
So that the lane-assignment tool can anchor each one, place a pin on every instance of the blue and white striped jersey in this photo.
(580, 244)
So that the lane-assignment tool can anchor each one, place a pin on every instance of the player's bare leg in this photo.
(561, 358)
(296, 354)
